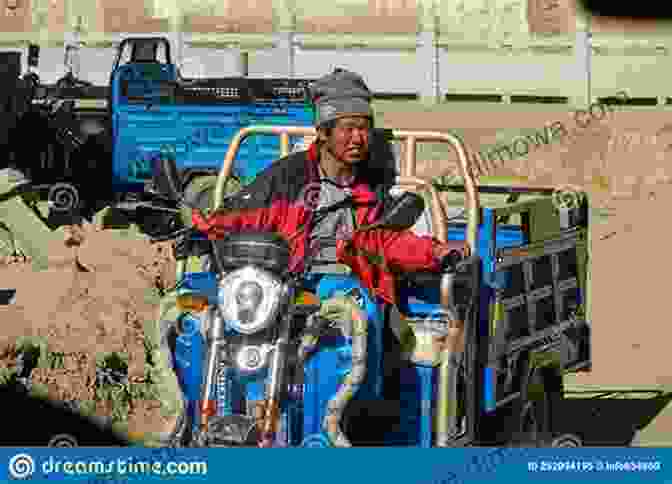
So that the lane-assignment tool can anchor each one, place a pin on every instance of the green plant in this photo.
(40, 391)
(152, 296)
(7, 376)
(55, 360)
(87, 408)
(36, 346)
(601, 214)
(112, 383)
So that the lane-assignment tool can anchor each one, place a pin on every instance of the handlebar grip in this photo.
(451, 260)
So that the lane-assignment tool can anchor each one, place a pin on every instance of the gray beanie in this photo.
(339, 94)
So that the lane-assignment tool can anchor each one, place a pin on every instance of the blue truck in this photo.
(107, 153)
(152, 108)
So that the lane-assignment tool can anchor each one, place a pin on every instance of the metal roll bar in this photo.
(454, 343)
(406, 178)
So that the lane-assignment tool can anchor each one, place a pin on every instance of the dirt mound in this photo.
(85, 315)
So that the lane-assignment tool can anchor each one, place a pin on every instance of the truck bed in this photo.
(198, 119)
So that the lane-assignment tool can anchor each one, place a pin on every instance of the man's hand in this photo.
(450, 253)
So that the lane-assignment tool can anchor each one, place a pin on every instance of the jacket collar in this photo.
(312, 158)
(362, 192)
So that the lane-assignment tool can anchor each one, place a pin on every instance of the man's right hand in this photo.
(451, 260)
(450, 253)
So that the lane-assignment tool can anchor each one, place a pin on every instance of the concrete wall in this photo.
(430, 48)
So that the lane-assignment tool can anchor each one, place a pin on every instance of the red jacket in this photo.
(276, 202)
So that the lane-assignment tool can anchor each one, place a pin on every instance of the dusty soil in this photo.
(87, 313)
(624, 170)
(623, 163)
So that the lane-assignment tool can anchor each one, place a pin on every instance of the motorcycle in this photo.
(261, 326)
(259, 366)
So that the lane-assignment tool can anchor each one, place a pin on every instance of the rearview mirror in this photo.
(166, 178)
(403, 214)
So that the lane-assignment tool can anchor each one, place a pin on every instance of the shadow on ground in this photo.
(33, 422)
(610, 419)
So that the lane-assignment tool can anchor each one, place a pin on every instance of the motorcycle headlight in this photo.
(249, 299)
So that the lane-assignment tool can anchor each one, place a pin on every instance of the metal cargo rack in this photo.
(279, 90)
(233, 90)
(541, 307)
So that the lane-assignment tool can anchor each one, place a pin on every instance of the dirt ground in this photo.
(622, 162)
(87, 314)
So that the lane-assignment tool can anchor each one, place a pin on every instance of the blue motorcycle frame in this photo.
(455, 383)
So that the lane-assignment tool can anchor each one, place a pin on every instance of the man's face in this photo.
(349, 140)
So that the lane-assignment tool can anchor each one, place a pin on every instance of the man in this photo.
(284, 198)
